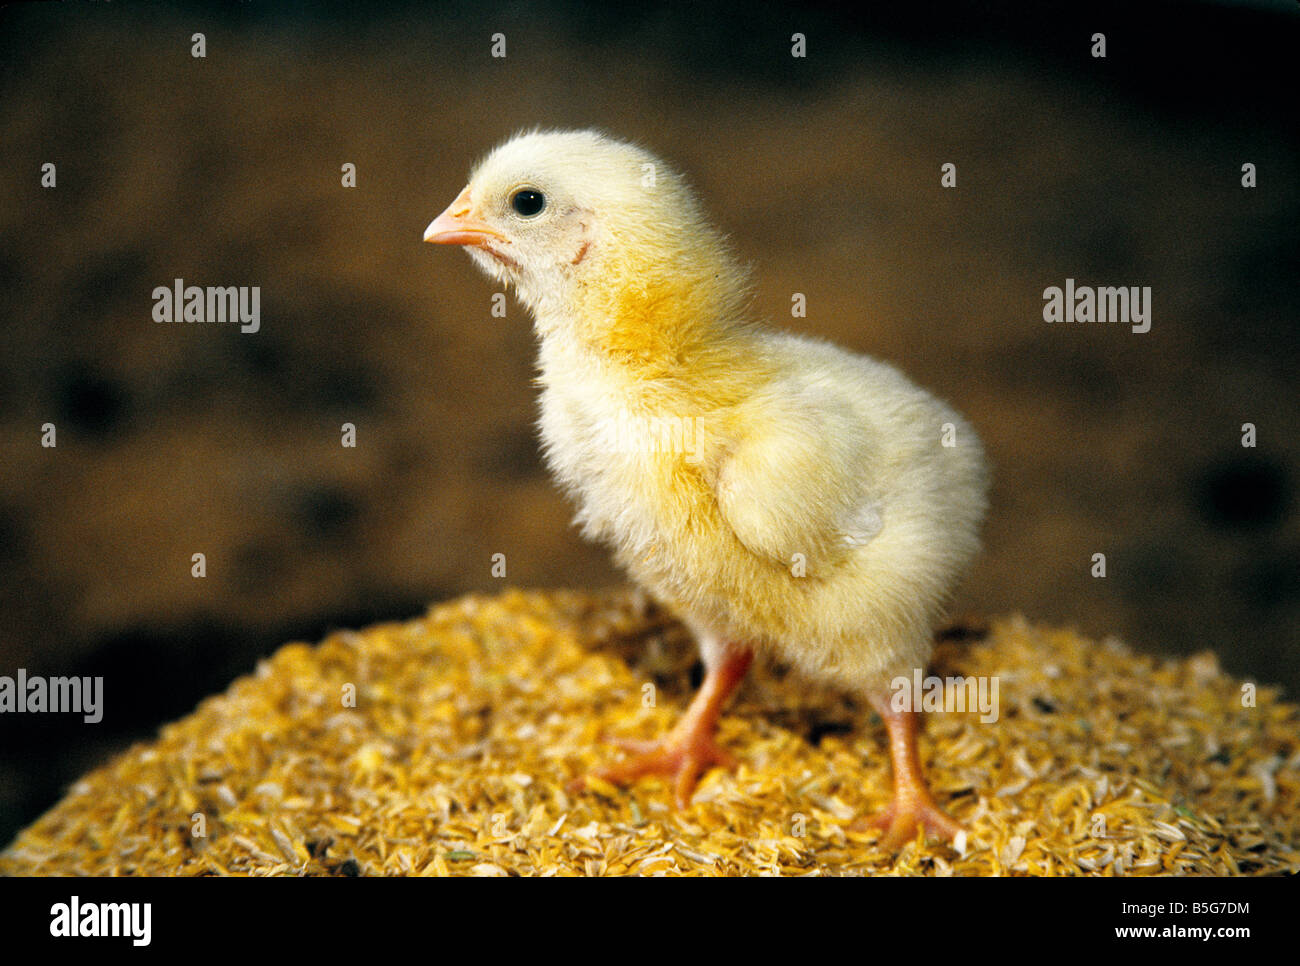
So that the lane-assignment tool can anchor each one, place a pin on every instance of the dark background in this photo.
(176, 439)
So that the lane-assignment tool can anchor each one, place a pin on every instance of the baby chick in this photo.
(779, 494)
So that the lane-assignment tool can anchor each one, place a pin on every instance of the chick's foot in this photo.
(913, 806)
(690, 748)
(906, 814)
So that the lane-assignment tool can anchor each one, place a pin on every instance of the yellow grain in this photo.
(472, 723)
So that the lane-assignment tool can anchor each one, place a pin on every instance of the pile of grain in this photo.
(448, 745)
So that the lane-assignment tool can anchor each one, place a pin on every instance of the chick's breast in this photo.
(822, 507)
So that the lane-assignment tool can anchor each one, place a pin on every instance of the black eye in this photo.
(528, 202)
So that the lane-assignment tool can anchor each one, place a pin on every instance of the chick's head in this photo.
(576, 220)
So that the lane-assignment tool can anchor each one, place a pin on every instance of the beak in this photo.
(458, 226)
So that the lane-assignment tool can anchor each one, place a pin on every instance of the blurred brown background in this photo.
(175, 439)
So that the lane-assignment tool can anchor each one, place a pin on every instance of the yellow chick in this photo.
(779, 494)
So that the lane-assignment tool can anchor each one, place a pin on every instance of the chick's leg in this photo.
(913, 804)
(690, 747)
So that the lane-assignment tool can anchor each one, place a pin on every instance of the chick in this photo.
(779, 494)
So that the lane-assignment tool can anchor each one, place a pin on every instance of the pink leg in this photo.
(913, 805)
(690, 747)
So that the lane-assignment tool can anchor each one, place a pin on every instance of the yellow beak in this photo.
(458, 225)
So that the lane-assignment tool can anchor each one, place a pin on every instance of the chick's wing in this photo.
(796, 480)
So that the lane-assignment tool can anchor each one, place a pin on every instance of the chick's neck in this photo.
(671, 327)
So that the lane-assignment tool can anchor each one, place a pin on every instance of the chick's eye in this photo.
(528, 202)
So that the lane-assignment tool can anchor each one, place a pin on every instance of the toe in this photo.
(901, 823)
(688, 774)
